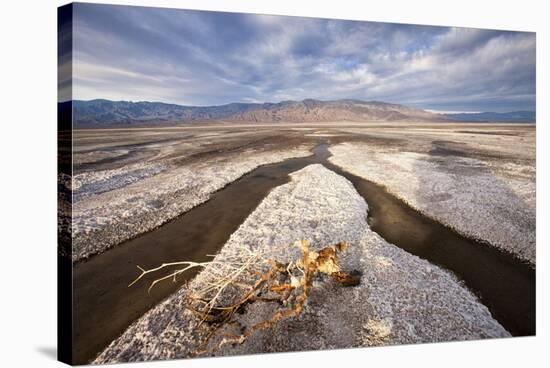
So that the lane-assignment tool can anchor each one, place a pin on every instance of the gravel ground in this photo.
(492, 200)
(401, 298)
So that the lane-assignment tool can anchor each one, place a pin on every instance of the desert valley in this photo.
(438, 214)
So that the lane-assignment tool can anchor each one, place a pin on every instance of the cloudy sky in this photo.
(208, 58)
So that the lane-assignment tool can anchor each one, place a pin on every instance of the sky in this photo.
(213, 58)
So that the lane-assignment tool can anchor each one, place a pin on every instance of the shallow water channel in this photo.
(104, 306)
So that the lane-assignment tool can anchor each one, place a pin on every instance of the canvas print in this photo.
(243, 183)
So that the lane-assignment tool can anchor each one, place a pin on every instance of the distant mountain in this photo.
(106, 112)
(338, 110)
(505, 117)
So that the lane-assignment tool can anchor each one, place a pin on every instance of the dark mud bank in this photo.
(104, 306)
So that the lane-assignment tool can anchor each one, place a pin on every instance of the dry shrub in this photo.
(256, 279)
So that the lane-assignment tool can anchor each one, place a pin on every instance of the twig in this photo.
(288, 284)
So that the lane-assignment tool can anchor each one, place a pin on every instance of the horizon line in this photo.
(434, 111)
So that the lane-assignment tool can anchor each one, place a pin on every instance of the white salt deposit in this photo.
(114, 205)
(489, 201)
(401, 298)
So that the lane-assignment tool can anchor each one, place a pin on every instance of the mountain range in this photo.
(503, 117)
(102, 112)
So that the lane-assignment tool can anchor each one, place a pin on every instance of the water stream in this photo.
(104, 306)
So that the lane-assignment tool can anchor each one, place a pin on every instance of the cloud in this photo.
(205, 58)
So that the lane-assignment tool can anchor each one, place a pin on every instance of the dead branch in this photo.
(286, 284)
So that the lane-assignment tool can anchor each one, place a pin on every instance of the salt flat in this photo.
(480, 183)
(476, 178)
(115, 200)
(128, 182)
(401, 298)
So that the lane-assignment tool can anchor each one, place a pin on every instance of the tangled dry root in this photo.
(287, 285)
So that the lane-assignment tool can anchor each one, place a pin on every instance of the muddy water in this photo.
(104, 306)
